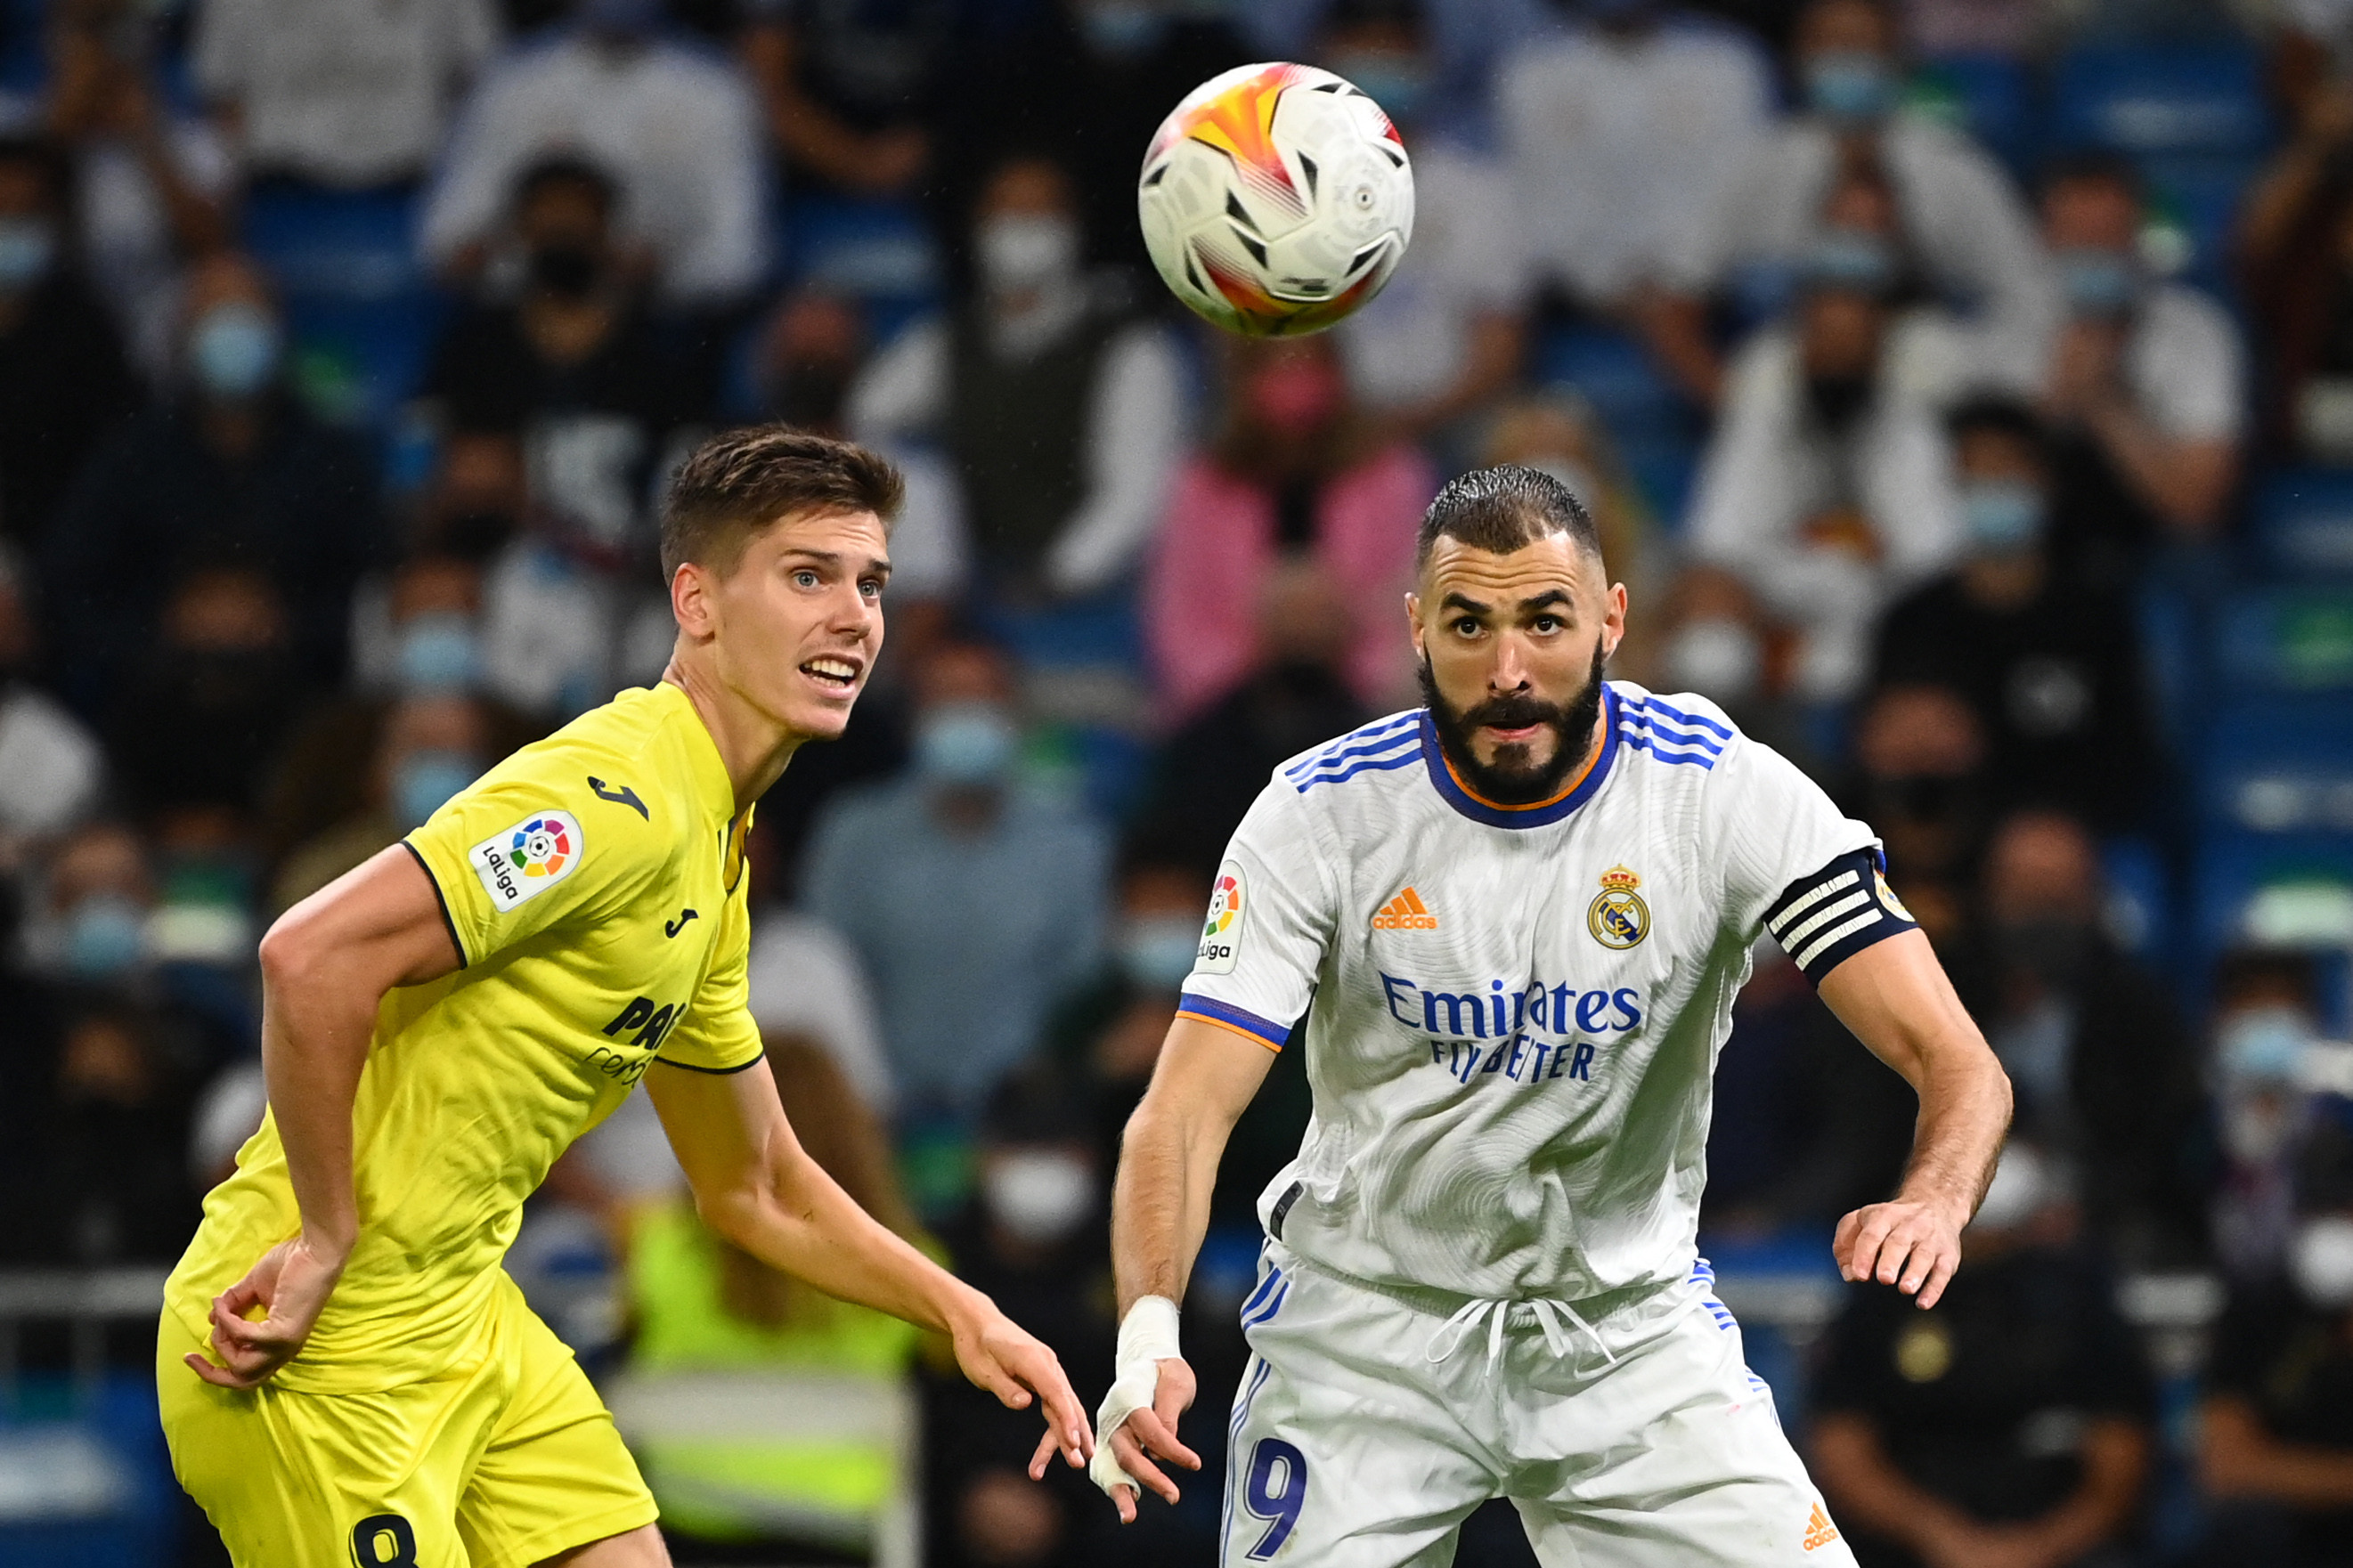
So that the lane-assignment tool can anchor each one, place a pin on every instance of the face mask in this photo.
(424, 782)
(439, 652)
(2022, 1186)
(1157, 951)
(2265, 1044)
(1849, 258)
(1849, 84)
(105, 935)
(1041, 1196)
(2051, 948)
(234, 350)
(566, 268)
(1836, 399)
(2260, 1125)
(1296, 399)
(810, 394)
(2321, 1260)
(1715, 658)
(1398, 83)
(2098, 282)
(2004, 517)
(27, 248)
(1020, 252)
(1122, 27)
(965, 743)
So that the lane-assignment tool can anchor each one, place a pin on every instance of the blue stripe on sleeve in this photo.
(1273, 1033)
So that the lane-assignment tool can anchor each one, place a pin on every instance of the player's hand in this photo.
(1913, 1247)
(292, 1283)
(998, 1355)
(1150, 1433)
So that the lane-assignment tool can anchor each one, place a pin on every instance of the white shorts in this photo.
(1352, 1447)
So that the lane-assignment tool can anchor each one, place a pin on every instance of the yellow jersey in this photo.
(594, 886)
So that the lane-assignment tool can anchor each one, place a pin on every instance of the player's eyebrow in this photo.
(876, 565)
(1456, 601)
(1550, 596)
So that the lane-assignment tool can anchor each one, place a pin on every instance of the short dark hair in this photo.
(1990, 414)
(1504, 509)
(566, 169)
(739, 482)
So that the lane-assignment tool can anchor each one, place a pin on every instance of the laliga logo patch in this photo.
(1222, 930)
(1617, 917)
(529, 858)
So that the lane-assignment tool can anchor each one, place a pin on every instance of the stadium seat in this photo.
(2287, 639)
(2303, 524)
(359, 305)
(881, 252)
(2274, 802)
(2152, 100)
(1989, 96)
(2197, 197)
(84, 1478)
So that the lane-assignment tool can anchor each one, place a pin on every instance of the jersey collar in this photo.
(1458, 795)
(713, 790)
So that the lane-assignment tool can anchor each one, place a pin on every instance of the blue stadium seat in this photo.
(2303, 524)
(2287, 639)
(1989, 96)
(878, 251)
(359, 305)
(1617, 376)
(87, 1480)
(2274, 801)
(2159, 98)
(2201, 193)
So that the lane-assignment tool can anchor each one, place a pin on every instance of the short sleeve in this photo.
(530, 847)
(1794, 865)
(1269, 922)
(718, 1033)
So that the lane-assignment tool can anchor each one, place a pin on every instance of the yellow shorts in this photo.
(507, 1463)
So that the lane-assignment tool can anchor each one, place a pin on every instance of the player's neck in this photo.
(753, 746)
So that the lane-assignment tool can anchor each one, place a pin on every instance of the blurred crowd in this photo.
(1903, 429)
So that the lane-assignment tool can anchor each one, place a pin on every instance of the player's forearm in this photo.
(2240, 1459)
(315, 1031)
(1160, 1201)
(1964, 1106)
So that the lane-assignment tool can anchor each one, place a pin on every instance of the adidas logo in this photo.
(1405, 912)
(1820, 1530)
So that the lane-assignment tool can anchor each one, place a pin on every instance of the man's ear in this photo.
(691, 601)
(1413, 623)
(1613, 622)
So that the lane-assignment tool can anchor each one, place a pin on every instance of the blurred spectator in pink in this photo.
(2296, 251)
(678, 128)
(1827, 488)
(1062, 407)
(1291, 472)
(1964, 225)
(342, 93)
(1619, 126)
(846, 87)
(1444, 339)
(151, 185)
(63, 383)
(231, 469)
(2146, 386)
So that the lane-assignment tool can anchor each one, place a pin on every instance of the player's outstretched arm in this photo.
(755, 1184)
(1894, 995)
(1159, 1212)
(325, 966)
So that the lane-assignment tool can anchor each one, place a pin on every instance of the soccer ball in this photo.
(1276, 199)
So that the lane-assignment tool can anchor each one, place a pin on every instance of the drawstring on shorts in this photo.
(1466, 1320)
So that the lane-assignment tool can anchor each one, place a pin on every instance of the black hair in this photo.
(566, 169)
(1504, 509)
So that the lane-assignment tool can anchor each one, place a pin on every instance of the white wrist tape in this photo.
(1147, 1336)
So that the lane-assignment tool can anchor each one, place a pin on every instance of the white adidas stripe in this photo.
(1837, 934)
(1780, 922)
(1823, 916)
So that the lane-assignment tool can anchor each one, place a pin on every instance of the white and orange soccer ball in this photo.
(1276, 199)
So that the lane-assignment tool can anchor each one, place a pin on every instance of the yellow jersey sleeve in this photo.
(527, 848)
(717, 1034)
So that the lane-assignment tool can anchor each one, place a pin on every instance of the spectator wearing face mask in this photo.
(1827, 489)
(1445, 339)
(63, 383)
(1061, 411)
(1963, 222)
(1919, 780)
(2275, 1427)
(153, 184)
(87, 923)
(2050, 667)
(1292, 471)
(2266, 1117)
(678, 128)
(231, 469)
(1618, 126)
(2105, 1071)
(957, 882)
(2147, 385)
(1036, 1239)
(54, 765)
(432, 744)
(2011, 1422)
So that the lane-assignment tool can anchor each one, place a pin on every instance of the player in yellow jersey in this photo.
(347, 1374)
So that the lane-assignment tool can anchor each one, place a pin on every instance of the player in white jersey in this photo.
(1515, 921)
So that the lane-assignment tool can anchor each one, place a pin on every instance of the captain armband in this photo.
(1828, 916)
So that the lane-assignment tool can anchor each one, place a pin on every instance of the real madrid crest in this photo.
(1618, 916)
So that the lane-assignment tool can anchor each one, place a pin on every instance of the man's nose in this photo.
(1509, 671)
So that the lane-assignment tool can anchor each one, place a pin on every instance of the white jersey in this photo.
(1513, 1014)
